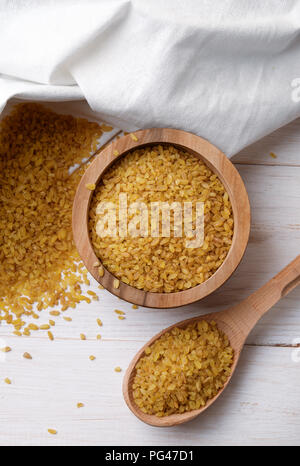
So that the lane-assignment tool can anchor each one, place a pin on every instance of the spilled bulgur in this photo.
(163, 264)
(116, 283)
(274, 156)
(90, 186)
(133, 137)
(6, 349)
(99, 322)
(44, 327)
(182, 370)
(52, 431)
(67, 319)
(39, 265)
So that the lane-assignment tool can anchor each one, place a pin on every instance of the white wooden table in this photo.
(261, 405)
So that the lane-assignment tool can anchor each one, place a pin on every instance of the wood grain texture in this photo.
(283, 143)
(255, 408)
(219, 164)
(261, 404)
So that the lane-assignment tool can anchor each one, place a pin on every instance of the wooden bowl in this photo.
(216, 161)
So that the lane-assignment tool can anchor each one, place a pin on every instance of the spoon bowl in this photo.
(236, 322)
(176, 419)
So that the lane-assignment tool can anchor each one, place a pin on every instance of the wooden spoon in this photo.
(236, 322)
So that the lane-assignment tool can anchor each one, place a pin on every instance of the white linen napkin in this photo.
(227, 70)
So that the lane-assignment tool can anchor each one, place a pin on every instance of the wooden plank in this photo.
(284, 142)
(255, 408)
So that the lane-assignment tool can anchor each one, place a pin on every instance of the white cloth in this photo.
(223, 69)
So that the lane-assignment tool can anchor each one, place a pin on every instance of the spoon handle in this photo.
(249, 311)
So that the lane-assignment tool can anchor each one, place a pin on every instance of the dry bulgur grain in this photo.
(44, 327)
(80, 405)
(67, 319)
(99, 322)
(116, 283)
(92, 358)
(27, 355)
(116, 153)
(163, 264)
(106, 128)
(52, 431)
(134, 306)
(33, 327)
(183, 369)
(133, 137)
(98, 337)
(39, 264)
(93, 294)
(120, 313)
(50, 335)
(7, 380)
(90, 186)
(6, 349)
(82, 336)
(121, 317)
(118, 369)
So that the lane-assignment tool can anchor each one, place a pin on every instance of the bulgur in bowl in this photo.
(164, 167)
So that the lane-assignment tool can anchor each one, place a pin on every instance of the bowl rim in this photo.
(215, 159)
